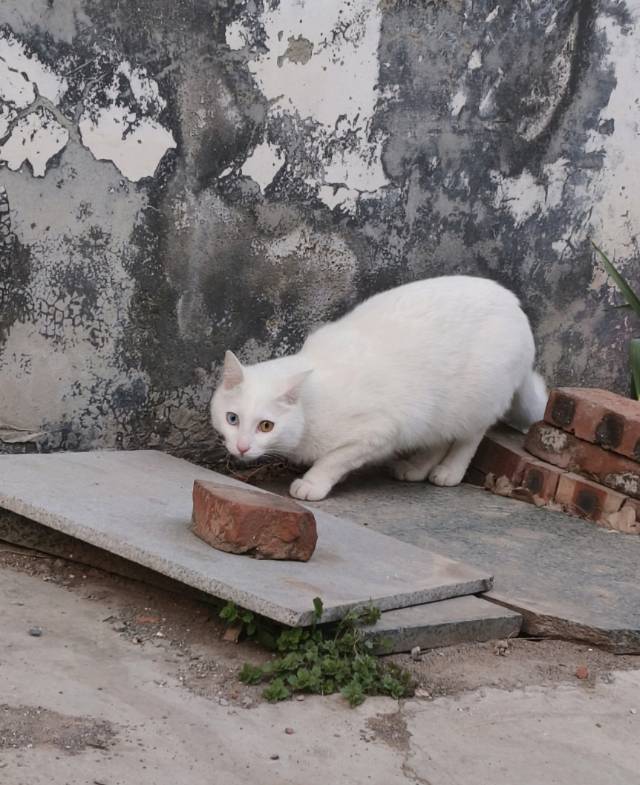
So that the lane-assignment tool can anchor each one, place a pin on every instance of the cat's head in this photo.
(257, 408)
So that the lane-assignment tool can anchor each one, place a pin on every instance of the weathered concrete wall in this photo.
(181, 176)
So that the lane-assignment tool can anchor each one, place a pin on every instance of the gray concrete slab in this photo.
(137, 505)
(444, 623)
(21, 531)
(568, 577)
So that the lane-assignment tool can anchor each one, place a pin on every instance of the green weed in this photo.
(320, 659)
(632, 301)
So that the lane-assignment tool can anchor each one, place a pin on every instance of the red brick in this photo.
(541, 480)
(575, 455)
(501, 455)
(597, 416)
(474, 476)
(587, 499)
(241, 520)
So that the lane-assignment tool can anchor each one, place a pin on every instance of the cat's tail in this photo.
(529, 402)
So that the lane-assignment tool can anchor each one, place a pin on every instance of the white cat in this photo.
(413, 376)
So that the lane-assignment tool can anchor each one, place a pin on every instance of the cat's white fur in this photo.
(413, 376)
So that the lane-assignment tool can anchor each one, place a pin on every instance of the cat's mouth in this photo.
(244, 457)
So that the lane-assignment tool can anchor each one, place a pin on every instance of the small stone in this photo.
(299, 697)
(501, 649)
(36, 632)
(247, 702)
(289, 731)
(143, 618)
(274, 757)
(633, 711)
(232, 634)
(415, 653)
(582, 672)
(159, 634)
(223, 702)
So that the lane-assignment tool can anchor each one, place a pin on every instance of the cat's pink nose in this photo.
(242, 449)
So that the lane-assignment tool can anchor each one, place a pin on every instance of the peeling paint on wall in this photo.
(27, 70)
(177, 178)
(36, 139)
(317, 65)
(118, 123)
(615, 215)
(263, 164)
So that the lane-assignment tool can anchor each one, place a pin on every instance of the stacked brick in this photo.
(584, 458)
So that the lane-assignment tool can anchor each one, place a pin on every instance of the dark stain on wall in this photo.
(15, 267)
(208, 257)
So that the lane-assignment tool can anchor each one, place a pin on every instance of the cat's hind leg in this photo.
(416, 467)
(455, 463)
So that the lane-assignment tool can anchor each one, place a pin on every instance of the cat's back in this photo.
(454, 302)
(436, 295)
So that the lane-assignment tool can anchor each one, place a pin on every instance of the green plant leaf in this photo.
(628, 293)
(322, 659)
(229, 613)
(634, 357)
(276, 691)
(265, 638)
(251, 674)
(353, 693)
(318, 608)
(370, 615)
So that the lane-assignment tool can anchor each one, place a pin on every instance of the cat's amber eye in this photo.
(266, 426)
(232, 418)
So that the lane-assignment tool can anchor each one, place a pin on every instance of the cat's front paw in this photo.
(309, 490)
(446, 475)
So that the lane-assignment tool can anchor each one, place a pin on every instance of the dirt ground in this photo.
(207, 665)
(109, 681)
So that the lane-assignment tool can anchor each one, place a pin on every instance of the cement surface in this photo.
(81, 670)
(567, 576)
(443, 623)
(137, 505)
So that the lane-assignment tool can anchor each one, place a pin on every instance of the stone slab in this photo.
(138, 505)
(21, 531)
(466, 619)
(568, 578)
(444, 623)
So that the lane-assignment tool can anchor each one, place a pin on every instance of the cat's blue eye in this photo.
(232, 418)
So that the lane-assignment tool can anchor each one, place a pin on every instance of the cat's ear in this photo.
(232, 374)
(293, 387)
